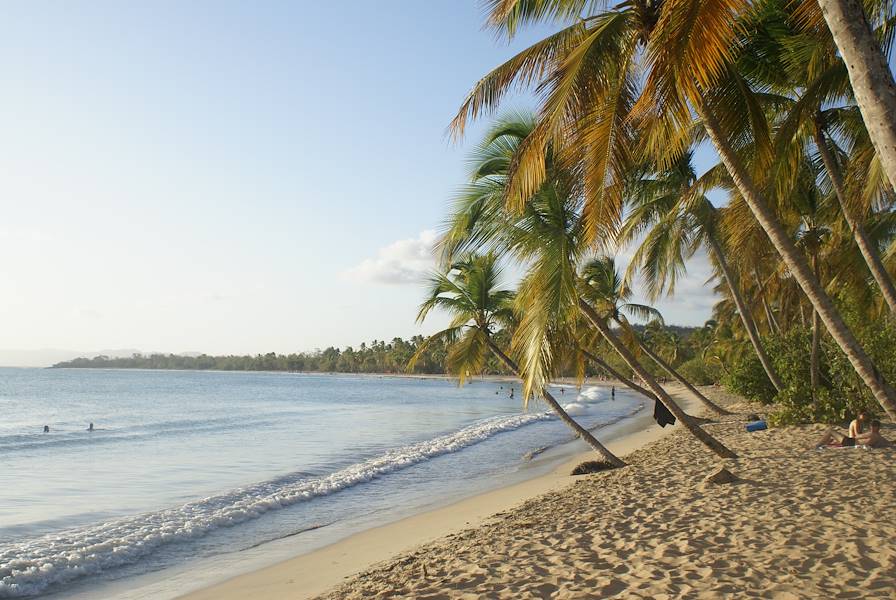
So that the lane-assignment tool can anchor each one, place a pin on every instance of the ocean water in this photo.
(183, 467)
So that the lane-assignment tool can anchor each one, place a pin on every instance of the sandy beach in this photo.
(800, 523)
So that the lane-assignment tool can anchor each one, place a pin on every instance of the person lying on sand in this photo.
(856, 427)
(872, 439)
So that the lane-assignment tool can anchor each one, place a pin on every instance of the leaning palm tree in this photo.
(821, 111)
(676, 218)
(470, 291)
(671, 90)
(604, 289)
(548, 238)
(869, 72)
(601, 324)
(588, 77)
(479, 220)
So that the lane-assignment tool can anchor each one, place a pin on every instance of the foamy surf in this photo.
(592, 395)
(31, 567)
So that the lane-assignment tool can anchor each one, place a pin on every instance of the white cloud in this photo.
(694, 296)
(401, 262)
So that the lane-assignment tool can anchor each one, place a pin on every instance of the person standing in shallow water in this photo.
(46, 429)
(613, 393)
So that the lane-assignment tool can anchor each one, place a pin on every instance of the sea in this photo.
(190, 477)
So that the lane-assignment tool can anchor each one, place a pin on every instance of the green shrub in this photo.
(748, 378)
(841, 394)
(795, 404)
(699, 372)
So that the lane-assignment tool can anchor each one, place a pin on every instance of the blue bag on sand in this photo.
(756, 426)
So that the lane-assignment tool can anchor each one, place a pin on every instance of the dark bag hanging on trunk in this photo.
(662, 415)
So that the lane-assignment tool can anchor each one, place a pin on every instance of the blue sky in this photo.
(232, 176)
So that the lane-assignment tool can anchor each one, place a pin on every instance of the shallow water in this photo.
(183, 466)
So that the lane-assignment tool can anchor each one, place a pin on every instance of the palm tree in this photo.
(869, 73)
(586, 75)
(686, 420)
(808, 69)
(811, 237)
(470, 292)
(866, 246)
(603, 289)
(678, 218)
(547, 237)
(479, 220)
(708, 106)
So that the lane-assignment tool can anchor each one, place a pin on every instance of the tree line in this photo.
(376, 357)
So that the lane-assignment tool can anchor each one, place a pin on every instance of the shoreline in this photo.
(310, 574)
(560, 381)
(795, 523)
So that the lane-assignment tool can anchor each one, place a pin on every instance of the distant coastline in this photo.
(377, 357)
(374, 358)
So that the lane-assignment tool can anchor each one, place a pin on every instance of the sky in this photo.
(234, 177)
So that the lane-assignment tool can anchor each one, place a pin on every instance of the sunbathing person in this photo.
(872, 439)
(857, 425)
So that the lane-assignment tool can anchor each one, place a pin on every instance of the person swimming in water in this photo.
(90, 427)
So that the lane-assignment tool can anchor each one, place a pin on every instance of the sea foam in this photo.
(30, 567)
(575, 409)
(592, 394)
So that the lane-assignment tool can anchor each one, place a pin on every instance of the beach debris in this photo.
(753, 417)
(721, 476)
(592, 466)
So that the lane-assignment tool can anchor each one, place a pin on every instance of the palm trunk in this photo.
(583, 433)
(746, 316)
(870, 76)
(677, 376)
(796, 263)
(815, 357)
(626, 381)
(866, 247)
(769, 315)
(686, 420)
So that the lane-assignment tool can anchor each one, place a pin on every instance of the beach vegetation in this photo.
(795, 217)
(470, 291)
